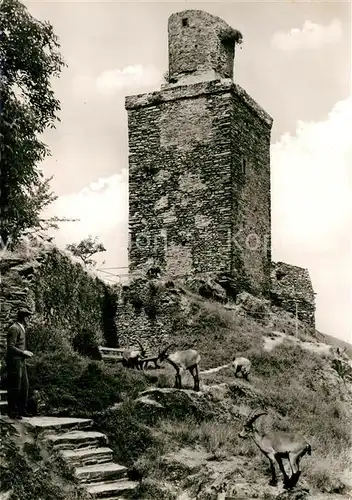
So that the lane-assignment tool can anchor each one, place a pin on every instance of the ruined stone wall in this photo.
(250, 133)
(149, 312)
(188, 197)
(133, 327)
(60, 292)
(291, 285)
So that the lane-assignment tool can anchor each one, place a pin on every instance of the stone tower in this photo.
(199, 162)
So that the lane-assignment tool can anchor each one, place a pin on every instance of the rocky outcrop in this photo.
(254, 306)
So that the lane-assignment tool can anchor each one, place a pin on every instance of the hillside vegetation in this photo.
(185, 445)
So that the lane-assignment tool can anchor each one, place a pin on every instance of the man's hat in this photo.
(24, 312)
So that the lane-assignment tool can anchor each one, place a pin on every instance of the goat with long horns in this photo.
(181, 361)
(277, 446)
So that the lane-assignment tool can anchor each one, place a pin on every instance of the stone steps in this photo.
(100, 472)
(59, 424)
(76, 440)
(86, 455)
(3, 402)
(111, 490)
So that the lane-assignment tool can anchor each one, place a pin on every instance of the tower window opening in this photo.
(184, 22)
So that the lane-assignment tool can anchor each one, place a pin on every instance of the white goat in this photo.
(241, 365)
(276, 446)
(181, 361)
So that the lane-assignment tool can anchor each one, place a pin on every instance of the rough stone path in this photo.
(86, 453)
(215, 370)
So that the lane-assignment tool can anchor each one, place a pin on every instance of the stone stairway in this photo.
(3, 402)
(86, 453)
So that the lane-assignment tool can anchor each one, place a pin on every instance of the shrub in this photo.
(45, 339)
(72, 385)
(87, 342)
(343, 369)
(128, 436)
(332, 472)
(58, 369)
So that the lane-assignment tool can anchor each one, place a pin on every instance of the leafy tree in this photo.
(86, 249)
(29, 58)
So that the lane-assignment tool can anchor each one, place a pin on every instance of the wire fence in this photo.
(170, 275)
(113, 278)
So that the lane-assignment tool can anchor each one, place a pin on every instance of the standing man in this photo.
(17, 378)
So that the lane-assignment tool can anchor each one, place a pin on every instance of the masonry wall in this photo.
(180, 180)
(133, 328)
(151, 311)
(60, 292)
(250, 134)
(200, 43)
(291, 285)
(188, 197)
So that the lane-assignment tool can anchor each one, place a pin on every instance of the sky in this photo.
(295, 61)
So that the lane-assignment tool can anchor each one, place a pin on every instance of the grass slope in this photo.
(179, 441)
(295, 382)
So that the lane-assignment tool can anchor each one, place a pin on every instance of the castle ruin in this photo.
(199, 164)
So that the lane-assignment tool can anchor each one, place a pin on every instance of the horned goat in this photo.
(277, 446)
(241, 365)
(144, 362)
(131, 358)
(181, 361)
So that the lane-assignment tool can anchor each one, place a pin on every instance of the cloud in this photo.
(312, 210)
(138, 75)
(311, 181)
(127, 80)
(101, 207)
(311, 36)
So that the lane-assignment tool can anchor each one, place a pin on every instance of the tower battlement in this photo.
(201, 47)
